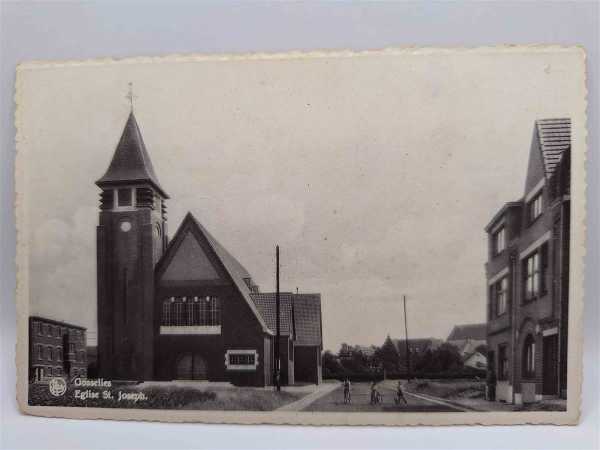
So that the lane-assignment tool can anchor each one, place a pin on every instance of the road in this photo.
(361, 398)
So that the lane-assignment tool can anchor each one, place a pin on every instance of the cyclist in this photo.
(375, 398)
(400, 394)
(347, 396)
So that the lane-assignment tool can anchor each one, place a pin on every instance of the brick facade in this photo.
(56, 349)
(532, 260)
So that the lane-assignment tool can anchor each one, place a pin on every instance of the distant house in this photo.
(56, 349)
(476, 360)
(348, 351)
(415, 347)
(467, 338)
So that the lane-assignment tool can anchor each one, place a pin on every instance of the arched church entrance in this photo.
(191, 366)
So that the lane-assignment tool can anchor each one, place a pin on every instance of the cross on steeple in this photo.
(130, 95)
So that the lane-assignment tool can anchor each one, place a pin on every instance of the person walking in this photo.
(491, 385)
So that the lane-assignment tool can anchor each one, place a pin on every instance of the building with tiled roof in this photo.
(467, 338)
(186, 308)
(527, 274)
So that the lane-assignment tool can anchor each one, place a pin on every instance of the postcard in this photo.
(389, 237)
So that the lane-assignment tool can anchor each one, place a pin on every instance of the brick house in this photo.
(528, 275)
(185, 308)
(56, 349)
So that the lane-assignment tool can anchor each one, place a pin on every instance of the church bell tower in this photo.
(131, 238)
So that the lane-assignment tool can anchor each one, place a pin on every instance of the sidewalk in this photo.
(320, 390)
(479, 404)
(482, 405)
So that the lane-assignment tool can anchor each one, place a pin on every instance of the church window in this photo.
(124, 197)
(179, 316)
(166, 316)
(191, 311)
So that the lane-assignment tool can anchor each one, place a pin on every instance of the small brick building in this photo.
(528, 275)
(56, 349)
(185, 308)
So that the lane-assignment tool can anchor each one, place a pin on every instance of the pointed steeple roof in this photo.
(131, 162)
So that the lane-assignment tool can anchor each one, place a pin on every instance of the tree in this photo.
(331, 365)
(387, 354)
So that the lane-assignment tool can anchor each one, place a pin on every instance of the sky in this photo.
(376, 174)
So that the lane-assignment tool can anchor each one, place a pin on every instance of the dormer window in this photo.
(499, 239)
(124, 197)
(534, 207)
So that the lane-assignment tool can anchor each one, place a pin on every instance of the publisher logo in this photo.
(57, 386)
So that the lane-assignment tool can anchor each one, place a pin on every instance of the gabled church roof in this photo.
(232, 266)
(131, 162)
(554, 138)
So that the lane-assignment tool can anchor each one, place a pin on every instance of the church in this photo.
(185, 308)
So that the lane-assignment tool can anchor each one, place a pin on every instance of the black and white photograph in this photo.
(387, 237)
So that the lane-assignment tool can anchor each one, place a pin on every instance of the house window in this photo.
(40, 355)
(499, 241)
(502, 362)
(528, 363)
(533, 273)
(49, 353)
(241, 359)
(535, 207)
(124, 197)
(59, 353)
(501, 295)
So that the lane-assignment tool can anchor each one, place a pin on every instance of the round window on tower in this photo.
(125, 226)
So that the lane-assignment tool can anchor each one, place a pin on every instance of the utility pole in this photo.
(278, 331)
(406, 336)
